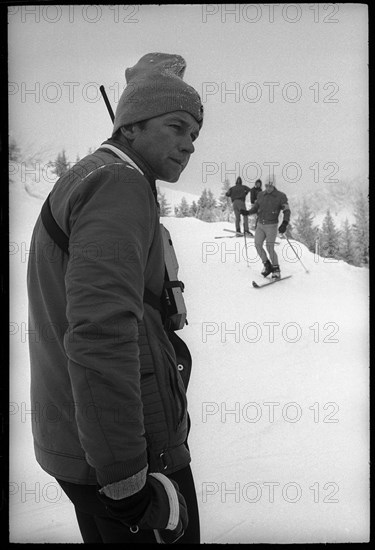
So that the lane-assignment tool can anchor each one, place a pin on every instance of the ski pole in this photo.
(244, 234)
(291, 246)
(247, 259)
(106, 101)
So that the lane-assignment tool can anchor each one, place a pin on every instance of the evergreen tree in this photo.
(303, 229)
(361, 228)
(329, 239)
(193, 209)
(202, 201)
(347, 251)
(225, 203)
(211, 200)
(183, 209)
(165, 208)
(206, 206)
(61, 164)
(14, 151)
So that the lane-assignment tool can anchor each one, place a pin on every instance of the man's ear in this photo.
(128, 132)
(131, 131)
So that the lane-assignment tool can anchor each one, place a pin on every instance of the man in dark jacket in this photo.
(109, 385)
(238, 193)
(254, 191)
(268, 206)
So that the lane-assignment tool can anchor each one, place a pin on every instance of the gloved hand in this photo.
(159, 506)
(283, 227)
(244, 212)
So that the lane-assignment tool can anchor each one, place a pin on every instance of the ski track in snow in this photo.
(278, 395)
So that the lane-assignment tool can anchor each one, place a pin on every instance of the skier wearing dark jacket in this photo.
(254, 191)
(238, 193)
(268, 206)
(109, 385)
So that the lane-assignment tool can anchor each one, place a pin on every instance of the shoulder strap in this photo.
(52, 228)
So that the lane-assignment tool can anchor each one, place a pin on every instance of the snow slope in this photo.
(278, 394)
(175, 196)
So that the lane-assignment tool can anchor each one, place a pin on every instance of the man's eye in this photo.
(175, 126)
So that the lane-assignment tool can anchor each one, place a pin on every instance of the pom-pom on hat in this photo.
(155, 87)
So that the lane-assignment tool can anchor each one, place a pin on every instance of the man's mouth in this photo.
(179, 162)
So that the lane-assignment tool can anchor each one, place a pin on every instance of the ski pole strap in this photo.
(62, 241)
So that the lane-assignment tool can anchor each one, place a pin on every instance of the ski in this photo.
(239, 234)
(256, 285)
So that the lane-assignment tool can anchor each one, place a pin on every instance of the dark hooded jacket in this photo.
(238, 192)
(254, 192)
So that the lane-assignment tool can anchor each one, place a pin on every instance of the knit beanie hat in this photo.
(155, 87)
(270, 180)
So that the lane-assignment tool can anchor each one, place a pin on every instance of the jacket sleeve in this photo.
(112, 221)
(254, 209)
(285, 208)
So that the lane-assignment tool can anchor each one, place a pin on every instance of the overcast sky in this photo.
(283, 85)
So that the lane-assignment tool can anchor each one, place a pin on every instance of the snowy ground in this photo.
(278, 394)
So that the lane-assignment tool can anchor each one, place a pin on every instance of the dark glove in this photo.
(159, 506)
(283, 227)
(244, 212)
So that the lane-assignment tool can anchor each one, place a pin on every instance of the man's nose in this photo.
(187, 145)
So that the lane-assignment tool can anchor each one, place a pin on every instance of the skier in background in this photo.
(268, 206)
(254, 192)
(237, 194)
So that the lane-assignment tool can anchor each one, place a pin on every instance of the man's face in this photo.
(166, 143)
(269, 187)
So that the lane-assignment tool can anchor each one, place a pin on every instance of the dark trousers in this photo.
(237, 206)
(97, 526)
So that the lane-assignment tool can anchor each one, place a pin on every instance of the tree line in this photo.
(349, 242)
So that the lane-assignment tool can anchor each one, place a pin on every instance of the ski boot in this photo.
(276, 272)
(267, 268)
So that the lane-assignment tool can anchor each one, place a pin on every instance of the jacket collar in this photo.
(138, 160)
(272, 192)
